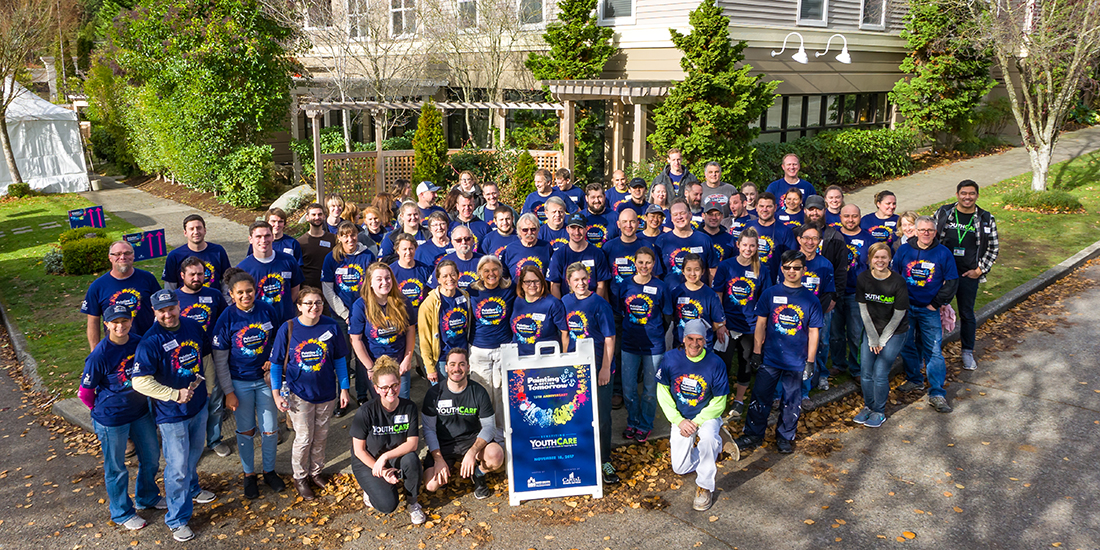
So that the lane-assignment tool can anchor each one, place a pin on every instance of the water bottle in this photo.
(285, 391)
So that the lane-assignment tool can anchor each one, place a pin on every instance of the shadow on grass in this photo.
(1083, 170)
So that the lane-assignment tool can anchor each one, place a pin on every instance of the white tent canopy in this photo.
(45, 140)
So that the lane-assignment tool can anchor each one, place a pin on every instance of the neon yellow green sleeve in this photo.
(714, 409)
(668, 404)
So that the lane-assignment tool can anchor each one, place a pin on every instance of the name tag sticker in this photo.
(288, 251)
(170, 345)
(891, 224)
(689, 384)
(267, 326)
(960, 251)
(927, 265)
(857, 242)
(287, 274)
(461, 300)
(540, 317)
(206, 299)
(696, 249)
(589, 263)
(988, 230)
(444, 404)
(326, 244)
(683, 300)
(750, 275)
(649, 289)
(400, 418)
(779, 299)
(620, 261)
(450, 250)
(326, 336)
(342, 271)
(813, 280)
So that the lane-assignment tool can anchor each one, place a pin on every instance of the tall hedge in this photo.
(430, 145)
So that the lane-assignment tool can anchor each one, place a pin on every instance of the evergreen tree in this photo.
(430, 145)
(707, 115)
(950, 70)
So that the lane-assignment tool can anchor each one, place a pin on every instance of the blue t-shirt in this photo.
(455, 322)
(556, 238)
(133, 292)
(723, 244)
(589, 318)
(310, 371)
(832, 220)
(792, 221)
(107, 371)
(467, 270)
(637, 208)
(602, 227)
(347, 276)
(494, 243)
(386, 247)
(516, 256)
(274, 282)
(492, 317)
(697, 304)
(214, 260)
(789, 313)
(737, 225)
(616, 198)
(285, 244)
(174, 359)
(204, 307)
(424, 213)
(774, 240)
(593, 259)
(643, 308)
(780, 187)
(884, 231)
(479, 228)
(430, 253)
(693, 383)
(248, 336)
(575, 195)
(697, 222)
(620, 259)
(537, 203)
(925, 271)
(857, 256)
(540, 321)
(380, 340)
(674, 249)
(739, 288)
(413, 284)
(819, 276)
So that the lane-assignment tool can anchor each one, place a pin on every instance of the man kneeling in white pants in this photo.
(692, 388)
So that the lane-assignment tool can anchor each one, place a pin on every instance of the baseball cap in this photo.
(696, 327)
(426, 186)
(117, 311)
(814, 201)
(654, 209)
(577, 219)
(164, 298)
(712, 205)
(637, 182)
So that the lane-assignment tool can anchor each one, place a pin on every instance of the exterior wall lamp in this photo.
(799, 56)
(844, 57)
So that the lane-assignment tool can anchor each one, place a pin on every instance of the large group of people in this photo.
(685, 286)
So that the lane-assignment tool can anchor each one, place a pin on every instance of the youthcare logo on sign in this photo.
(553, 443)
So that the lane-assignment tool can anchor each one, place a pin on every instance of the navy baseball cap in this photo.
(164, 298)
(654, 209)
(712, 205)
(577, 219)
(637, 182)
(117, 311)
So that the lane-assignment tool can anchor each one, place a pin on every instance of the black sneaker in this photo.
(610, 476)
(481, 488)
(738, 409)
(273, 480)
(746, 443)
(786, 446)
(341, 411)
(251, 488)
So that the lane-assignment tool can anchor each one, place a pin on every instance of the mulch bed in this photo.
(205, 202)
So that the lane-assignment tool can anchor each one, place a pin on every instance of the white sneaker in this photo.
(416, 513)
(968, 360)
(221, 449)
(134, 523)
(183, 533)
(366, 501)
(161, 504)
(205, 497)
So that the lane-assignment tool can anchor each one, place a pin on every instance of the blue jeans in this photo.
(215, 409)
(768, 379)
(822, 354)
(406, 385)
(640, 411)
(875, 371)
(847, 335)
(183, 444)
(115, 475)
(364, 390)
(925, 331)
(967, 294)
(254, 399)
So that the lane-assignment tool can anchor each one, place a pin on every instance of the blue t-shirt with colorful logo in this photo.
(857, 256)
(133, 292)
(789, 314)
(575, 195)
(556, 238)
(537, 203)
(883, 230)
(792, 221)
(174, 359)
(430, 253)
(380, 340)
(214, 260)
(413, 285)
(693, 384)
(643, 307)
(516, 256)
(616, 198)
(774, 240)
(540, 321)
(819, 276)
(248, 336)
(455, 322)
(620, 259)
(107, 371)
(310, 370)
(925, 271)
(739, 288)
(467, 270)
(494, 243)
(674, 249)
(274, 281)
(589, 318)
(347, 276)
(832, 220)
(602, 227)
(479, 228)
(204, 306)
(492, 317)
(737, 225)
(697, 304)
(723, 244)
(593, 259)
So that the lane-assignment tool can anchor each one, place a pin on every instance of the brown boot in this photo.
(302, 485)
(320, 480)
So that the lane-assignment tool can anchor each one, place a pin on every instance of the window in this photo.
(612, 12)
(467, 14)
(872, 15)
(358, 25)
(795, 116)
(403, 15)
(813, 13)
(317, 13)
(530, 12)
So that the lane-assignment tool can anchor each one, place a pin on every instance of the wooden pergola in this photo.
(317, 109)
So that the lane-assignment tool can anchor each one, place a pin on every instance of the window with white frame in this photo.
(317, 13)
(813, 13)
(531, 12)
(872, 15)
(357, 19)
(613, 12)
(467, 14)
(403, 17)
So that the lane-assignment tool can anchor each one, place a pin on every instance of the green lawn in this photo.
(47, 307)
(1032, 243)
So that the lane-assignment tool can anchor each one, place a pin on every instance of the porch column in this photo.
(379, 162)
(640, 120)
(616, 134)
(318, 163)
(567, 134)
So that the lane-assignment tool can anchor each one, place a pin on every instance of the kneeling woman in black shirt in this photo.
(883, 301)
(384, 437)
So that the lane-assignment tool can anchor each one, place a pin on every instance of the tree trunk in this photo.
(5, 143)
(1040, 164)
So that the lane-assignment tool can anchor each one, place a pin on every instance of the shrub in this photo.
(81, 233)
(246, 175)
(19, 190)
(522, 181)
(869, 154)
(430, 145)
(485, 165)
(54, 261)
(817, 168)
(646, 169)
(1048, 202)
(84, 256)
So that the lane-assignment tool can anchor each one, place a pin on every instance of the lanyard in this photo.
(962, 231)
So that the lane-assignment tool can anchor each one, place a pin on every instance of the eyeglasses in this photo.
(390, 388)
(462, 239)
(810, 238)
(528, 229)
(926, 230)
(313, 304)
(792, 268)
(532, 283)
(121, 254)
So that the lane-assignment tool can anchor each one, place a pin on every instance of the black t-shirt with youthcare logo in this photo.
(384, 430)
(458, 415)
(961, 238)
(882, 298)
